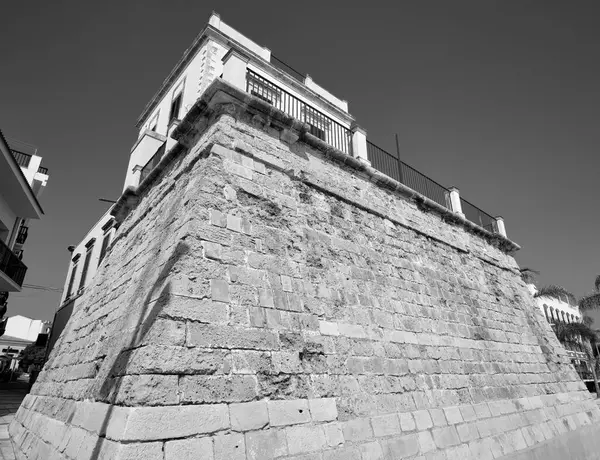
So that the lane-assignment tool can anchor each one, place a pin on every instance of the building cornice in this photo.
(223, 98)
(256, 61)
(188, 55)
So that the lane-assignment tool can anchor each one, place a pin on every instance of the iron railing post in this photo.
(400, 174)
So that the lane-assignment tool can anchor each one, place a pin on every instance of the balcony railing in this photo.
(478, 216)
(23, 159)
(11, 265)
(22, 235)
(390, 165)
(321, 126)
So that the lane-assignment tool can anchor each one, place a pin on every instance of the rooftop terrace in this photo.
(258, 72)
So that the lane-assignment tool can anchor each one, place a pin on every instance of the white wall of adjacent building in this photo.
(25, 328)
(93, 248)
(8, 216)
(556, 309)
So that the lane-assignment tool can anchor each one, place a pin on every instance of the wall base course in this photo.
(272, 302)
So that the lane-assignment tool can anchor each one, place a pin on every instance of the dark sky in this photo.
(499, 98)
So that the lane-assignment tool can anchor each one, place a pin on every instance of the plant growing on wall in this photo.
(529, 275)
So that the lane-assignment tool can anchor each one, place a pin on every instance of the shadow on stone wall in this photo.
(108, 384)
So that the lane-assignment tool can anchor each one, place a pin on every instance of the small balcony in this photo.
(23, 159)
(152, 162)
(321, 125)
(145, 154)
(12, 270)
(22, 235)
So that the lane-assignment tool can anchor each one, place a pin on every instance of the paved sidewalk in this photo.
(11, 395)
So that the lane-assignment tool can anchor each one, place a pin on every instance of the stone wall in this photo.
(262, 300)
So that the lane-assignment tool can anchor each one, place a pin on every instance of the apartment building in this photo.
(22, 181)
(85, 258)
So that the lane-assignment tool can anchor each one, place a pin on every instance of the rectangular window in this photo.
(86, 264)
(106, 228)
(72, 280)
(153, 126)
(175, 107)
(105, 243)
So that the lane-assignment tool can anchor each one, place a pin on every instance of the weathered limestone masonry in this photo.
(264, 300)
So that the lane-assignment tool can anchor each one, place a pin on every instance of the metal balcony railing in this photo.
(11, 265)
(22, 235)
(478, 216)
(321, 126)
(23, 159)
(390, 165)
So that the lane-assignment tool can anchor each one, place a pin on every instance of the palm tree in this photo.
(591, 301)
(557, 292)
(580, 334)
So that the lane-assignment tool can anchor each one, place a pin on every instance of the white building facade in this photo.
(87, 256)
(22, 181)
(25, 328)
(83, 264)
(21, 331)
(557, 310)
(563, 310)
(221, 51)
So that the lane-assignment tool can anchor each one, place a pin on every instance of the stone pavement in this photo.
(11, 395)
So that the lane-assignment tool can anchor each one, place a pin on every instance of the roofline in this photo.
(86, 238)
(28, 187)
(188, 55)
(214, 33)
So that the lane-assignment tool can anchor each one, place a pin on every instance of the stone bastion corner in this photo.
(267, 297)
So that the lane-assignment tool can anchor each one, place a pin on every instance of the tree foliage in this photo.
(572, 332)
(556, 292)
(32, 354)
(590, 302)
(528, 275)
(587, 320)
